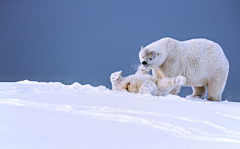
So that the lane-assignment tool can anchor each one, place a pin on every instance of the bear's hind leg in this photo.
(216, 86)
(198, 92)
(178, 81)
(172, 86)
(147, 87)
(214, 91)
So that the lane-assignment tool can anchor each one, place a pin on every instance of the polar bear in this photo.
(142, 82)
(201, 61)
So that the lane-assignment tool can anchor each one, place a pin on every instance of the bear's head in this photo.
(150, 56)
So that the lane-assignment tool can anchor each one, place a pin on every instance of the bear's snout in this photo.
(144, 63)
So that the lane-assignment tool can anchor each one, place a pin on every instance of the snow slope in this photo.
(52, 115)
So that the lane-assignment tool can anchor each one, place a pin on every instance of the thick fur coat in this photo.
(201, 61)
(142, 82)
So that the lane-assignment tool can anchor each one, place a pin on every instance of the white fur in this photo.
(142, 82)
(201, 61)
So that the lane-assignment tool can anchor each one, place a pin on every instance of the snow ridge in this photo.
(121, 115)
(170, 116)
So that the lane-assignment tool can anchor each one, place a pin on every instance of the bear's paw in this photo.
(180, 80)
(147, 87)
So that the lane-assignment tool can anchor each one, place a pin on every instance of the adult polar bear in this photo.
(201, 61)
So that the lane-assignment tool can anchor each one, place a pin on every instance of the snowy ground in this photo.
(53, 115)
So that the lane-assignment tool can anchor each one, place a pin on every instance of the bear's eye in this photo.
(150, 58)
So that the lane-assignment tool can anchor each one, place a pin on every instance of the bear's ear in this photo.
(141, 48)
(119, 72)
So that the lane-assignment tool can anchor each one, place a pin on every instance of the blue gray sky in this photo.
(85, 41)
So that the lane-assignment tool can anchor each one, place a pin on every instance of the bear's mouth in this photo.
(146, 67)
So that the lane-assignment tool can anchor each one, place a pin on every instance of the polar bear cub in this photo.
(142, 82)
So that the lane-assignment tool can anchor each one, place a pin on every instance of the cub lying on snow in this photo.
(142, 82)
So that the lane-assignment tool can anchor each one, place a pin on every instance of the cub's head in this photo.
(152, 57)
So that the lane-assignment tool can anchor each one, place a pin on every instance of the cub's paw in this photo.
(142, 70)
(115, 76)
(147, 87)
(180, 80)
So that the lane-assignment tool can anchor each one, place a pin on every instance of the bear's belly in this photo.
(136, 83)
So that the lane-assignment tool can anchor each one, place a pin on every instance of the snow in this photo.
(53, 115)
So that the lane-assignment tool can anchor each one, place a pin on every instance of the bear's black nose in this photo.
(144, 63)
